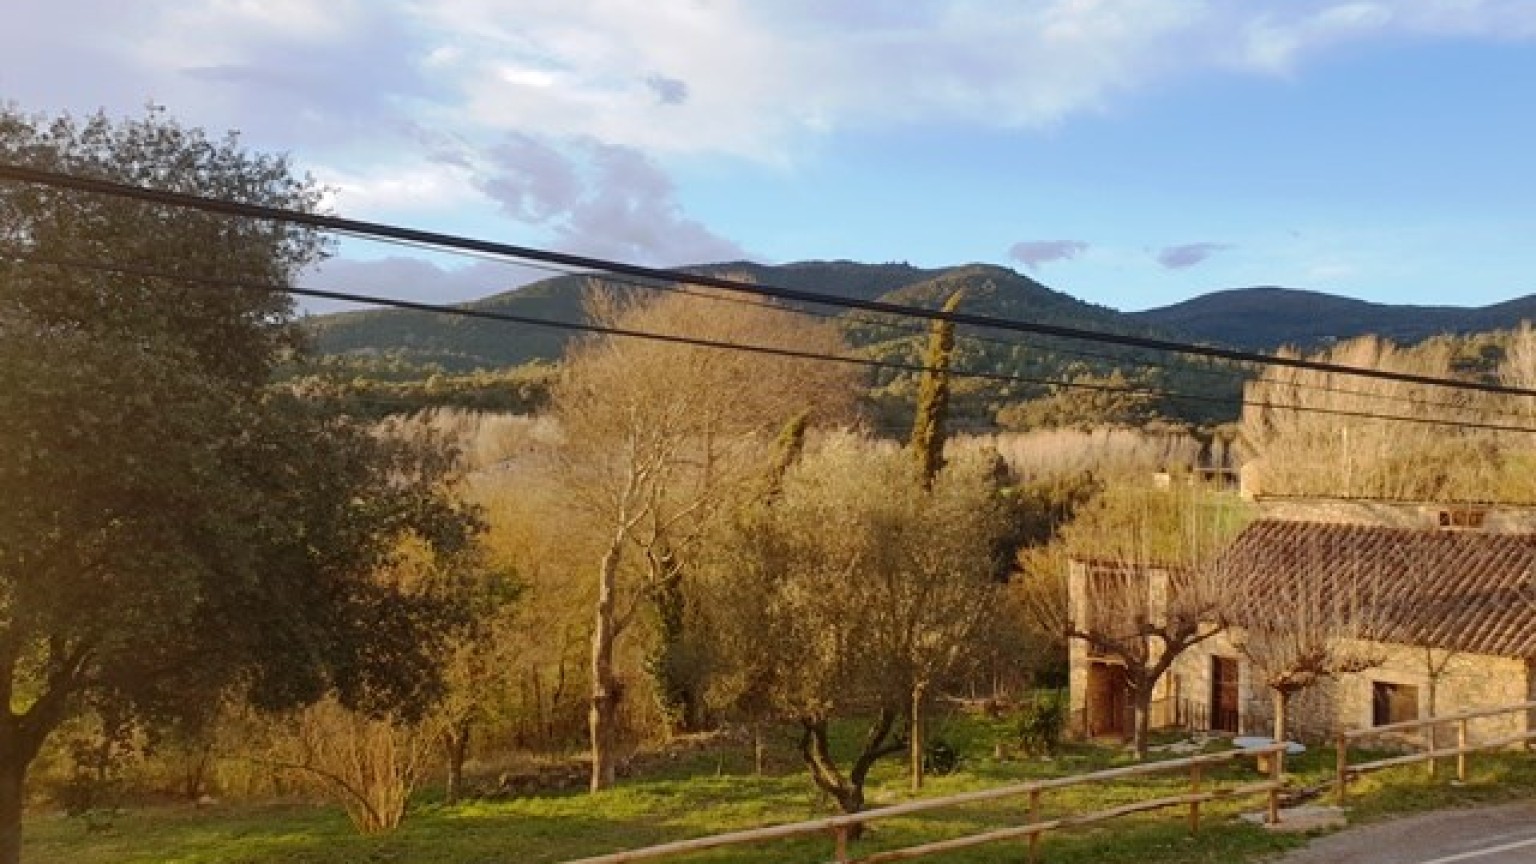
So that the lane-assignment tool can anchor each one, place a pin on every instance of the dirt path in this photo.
(1505, 834)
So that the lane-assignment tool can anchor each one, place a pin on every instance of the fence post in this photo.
(1194, 806)
(1432, 760)
(841, 852)
(1341, 768)
(1034, 836)
(1461, 750)
(1276, 766)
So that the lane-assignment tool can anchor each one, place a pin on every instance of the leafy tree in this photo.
(174, 527)
(927, 446)
(933, 396)
(861, 584)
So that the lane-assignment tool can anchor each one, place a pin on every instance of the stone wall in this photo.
(1463, 682)
(1459, 682)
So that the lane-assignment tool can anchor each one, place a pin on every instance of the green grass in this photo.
(711, 791)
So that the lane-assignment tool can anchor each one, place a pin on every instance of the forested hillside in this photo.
(1006, 379)
(1267, 317)
(1008, 368)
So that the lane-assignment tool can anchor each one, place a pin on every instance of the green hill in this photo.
(1035, 365)
(1265, 318)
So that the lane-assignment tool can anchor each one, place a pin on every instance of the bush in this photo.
(940, 757)
(1041, 723)
(368, 765)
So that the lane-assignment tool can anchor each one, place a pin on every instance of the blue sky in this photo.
(1132, 153)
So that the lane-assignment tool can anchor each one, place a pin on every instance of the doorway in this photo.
(1224, 695)
(1108, 707)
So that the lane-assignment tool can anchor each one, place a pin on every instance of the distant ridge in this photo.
(461, 344)
(1267, 317)
(1262, 318)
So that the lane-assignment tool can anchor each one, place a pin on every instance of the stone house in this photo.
(1453, 591)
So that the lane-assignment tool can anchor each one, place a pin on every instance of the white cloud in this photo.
(731, 76)
(560, 111)
(413, 279)
(418, 186)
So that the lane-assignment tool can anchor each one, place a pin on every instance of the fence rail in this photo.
(1431, 755)
(841, 828)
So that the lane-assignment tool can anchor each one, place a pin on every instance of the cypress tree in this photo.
(928, 448)
(933, 396)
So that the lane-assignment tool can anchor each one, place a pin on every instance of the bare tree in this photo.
(1298, 616)
(1143, 588)
(657, 437)
(1339, 444)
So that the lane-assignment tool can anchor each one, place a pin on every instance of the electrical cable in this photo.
(468, 312)
(448, 241)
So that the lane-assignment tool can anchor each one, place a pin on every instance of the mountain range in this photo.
(1267, 317)
(1259, 318)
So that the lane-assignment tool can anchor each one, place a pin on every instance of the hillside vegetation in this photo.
(1006, 367)
(1267, 318)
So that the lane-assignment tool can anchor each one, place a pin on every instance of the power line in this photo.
(599, 329)
(1231, 375)
(467, 312)
(449, 241)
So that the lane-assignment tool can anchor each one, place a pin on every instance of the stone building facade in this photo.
(1455, 589)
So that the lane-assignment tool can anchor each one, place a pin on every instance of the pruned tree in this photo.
(1142, 589)
(862, 584)
(657, 437)
(1299, 616)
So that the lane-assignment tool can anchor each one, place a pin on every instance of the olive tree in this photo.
(858, 584)
(174, 527)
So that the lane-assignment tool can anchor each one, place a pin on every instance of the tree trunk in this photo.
(19, 743)
(21, 737)
(456, 745)
(915, 732)
(1281, 700)
(1141, 725)
(758, 748)
(13, 773)
(675, 687)
(603, 716)
(817, 751)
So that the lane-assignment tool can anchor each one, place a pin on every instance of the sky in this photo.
(1131, 153)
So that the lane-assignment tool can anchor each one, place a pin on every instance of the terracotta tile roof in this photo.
(1460, 590)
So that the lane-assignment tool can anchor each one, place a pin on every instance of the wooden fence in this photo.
(841, 828)
(1432, 752)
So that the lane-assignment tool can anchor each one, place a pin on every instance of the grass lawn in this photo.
(711, 791)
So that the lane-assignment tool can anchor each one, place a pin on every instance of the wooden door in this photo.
(1224, 694)
(1108, 706)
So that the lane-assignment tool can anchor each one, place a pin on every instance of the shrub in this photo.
(940, 757)
(1041, 723)
(368, 765)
